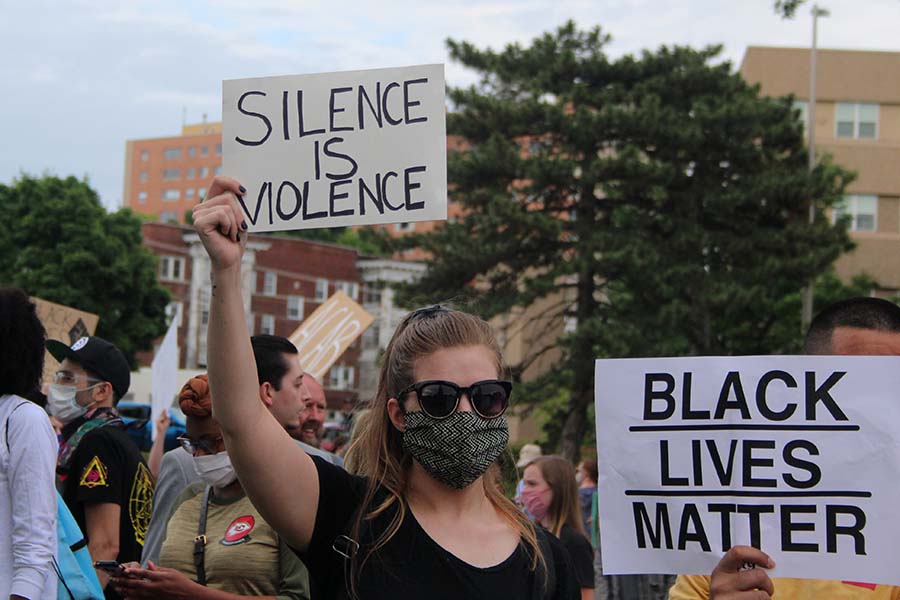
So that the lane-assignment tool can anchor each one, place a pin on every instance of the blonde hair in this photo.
(377, 450)
(564, 508)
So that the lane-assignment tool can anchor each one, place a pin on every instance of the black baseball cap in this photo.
(99, 356)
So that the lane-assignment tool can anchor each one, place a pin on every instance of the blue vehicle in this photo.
(139, 426)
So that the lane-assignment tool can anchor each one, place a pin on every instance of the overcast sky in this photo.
(82, 76)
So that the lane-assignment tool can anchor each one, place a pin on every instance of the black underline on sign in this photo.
(744, 427)
(752, 494)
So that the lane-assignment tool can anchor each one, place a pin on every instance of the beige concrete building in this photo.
(858, 123)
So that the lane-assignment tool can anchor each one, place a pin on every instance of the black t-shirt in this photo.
(412, 565)
(108, 468)
(581, 553)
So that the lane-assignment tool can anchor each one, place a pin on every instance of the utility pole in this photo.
(807, 308)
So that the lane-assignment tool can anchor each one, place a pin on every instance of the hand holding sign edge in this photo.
(731, 580)
(219, 221)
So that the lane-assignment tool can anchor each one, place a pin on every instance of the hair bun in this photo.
(194, 397)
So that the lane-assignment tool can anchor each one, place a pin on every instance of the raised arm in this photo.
(280, 479)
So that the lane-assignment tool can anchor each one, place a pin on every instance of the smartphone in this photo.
(111, 567)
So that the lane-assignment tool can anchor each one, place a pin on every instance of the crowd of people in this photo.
(249, 505)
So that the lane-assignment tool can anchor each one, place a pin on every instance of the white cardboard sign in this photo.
(338, 149)
(164, 374)
(796, 455)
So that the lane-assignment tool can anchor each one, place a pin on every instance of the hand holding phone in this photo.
(110, 567)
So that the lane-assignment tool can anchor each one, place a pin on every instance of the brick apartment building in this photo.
(858, 123)
(285, 280)
(165, 177)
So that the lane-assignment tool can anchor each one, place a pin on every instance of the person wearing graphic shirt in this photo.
(423, 515)
(101, 474)
(242, 555)
(27, 457)
(854, 327)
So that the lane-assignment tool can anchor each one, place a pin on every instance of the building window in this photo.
(191, 173)
(270, 283)
(168, 216)
(217, 170)
(171, 268)
(218, 149)
(169, 174)
(145, 155)
(321, 290)
(856, 120)
(171, 195)
(862, 210)
(267, 325)
(142, 197)
(404, 226)
(143, 177)
(204, 150)
(372, 293)
(204, 171)
(251, 324)
(340, 377)
(172, 153)
(295, 308)
(189, 192)
(174, 312)
(192, 151)
(349, 288)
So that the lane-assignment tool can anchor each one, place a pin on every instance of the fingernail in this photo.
(243, 190)
(239, 237)
(244, 225)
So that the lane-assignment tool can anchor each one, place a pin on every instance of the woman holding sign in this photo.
(424, 518)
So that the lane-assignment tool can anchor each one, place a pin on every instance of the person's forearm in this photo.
(232, 374)
(156, 454)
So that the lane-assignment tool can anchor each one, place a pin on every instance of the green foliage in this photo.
(656, 202)
(786, 9)
(62, 246)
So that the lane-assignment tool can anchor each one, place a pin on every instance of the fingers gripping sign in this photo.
(220, 222)
(740, 575)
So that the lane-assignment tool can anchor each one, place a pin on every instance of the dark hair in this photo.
(22, 338)
(861, 313)
(590, 467)
(269, 351)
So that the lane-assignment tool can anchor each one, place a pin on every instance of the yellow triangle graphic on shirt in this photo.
(94, 474)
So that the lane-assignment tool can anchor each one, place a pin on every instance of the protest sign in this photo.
(338, 149)
(328, 331)
(796, 455)
(164, 374)
(65, 324)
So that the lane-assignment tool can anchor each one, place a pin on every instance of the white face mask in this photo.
(215, 469)
(62, 402)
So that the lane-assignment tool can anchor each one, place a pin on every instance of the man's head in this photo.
(857, 326)
(312, 426)
(92, 373)
(281, 385)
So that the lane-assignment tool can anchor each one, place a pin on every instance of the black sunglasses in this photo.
(439, 399)
(208, 444)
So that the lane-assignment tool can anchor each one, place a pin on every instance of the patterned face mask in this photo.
(456, 450)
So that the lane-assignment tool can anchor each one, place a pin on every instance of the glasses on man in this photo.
(206, 443)
(439, 399)
(70, 378)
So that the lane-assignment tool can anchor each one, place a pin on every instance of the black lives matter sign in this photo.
(338, 149)
(798, 456)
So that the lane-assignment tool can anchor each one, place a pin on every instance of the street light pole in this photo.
(807, 308)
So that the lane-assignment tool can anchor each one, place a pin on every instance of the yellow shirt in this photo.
(696, 587)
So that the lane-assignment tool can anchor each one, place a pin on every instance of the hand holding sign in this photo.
(731, 580)
(219, 222)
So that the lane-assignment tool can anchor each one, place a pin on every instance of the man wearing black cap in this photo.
(100, 472)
